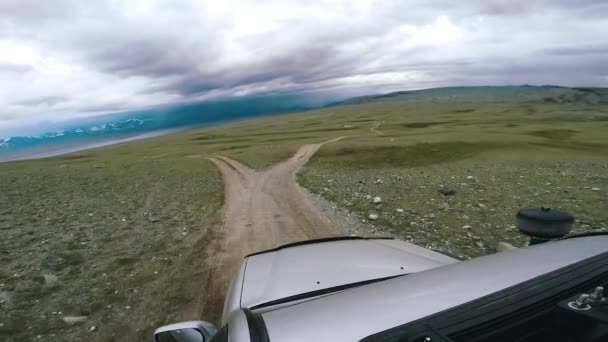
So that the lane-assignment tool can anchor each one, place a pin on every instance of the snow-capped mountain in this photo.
(125, 127)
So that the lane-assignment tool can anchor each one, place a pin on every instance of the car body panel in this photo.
(238, 328)
(304, 268)
(354, 314)
(232, 302)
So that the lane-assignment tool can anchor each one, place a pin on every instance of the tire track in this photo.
(262, 209)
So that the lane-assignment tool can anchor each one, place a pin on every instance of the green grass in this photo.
(555, 134)
(116, 228)
(350, 156)
(519, 155)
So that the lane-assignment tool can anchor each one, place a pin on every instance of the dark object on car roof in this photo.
(543, 224)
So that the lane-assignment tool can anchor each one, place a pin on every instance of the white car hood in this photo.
(304, 268)
(354, 314)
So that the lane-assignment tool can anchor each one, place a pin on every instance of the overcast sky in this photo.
(68, 58)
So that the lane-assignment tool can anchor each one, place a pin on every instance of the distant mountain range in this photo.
(99, 130)
(134, 123)
(525, 93)
(128, 124)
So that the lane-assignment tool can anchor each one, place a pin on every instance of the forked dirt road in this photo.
(262, 209)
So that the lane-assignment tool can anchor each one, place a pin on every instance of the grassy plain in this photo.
(124, 229)
(496, 157)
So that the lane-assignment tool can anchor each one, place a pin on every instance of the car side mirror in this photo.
(191, 331)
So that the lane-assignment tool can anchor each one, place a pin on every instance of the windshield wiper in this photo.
(321, 292)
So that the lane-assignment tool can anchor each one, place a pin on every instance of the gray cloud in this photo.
(42, 101)
(11, 67)
(128, 54)
(576, 51)
(509, 7)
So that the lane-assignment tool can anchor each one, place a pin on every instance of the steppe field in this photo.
(117, 237)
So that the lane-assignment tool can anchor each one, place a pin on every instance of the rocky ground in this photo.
(465, 207)
(102, 249)
(107, 245)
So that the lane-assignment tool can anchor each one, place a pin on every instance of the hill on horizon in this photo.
(521, 93)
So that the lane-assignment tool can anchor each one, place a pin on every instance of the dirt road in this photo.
(262, 209)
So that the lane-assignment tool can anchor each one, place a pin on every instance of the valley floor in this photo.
(123, 236)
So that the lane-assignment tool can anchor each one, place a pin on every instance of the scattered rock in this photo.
(444, 206)
(447, 191)
(368, 197)
(372, 216)
(595, 189)
(504, 246)
(377, 200)
(378, 181)
(481, 205)
(470, 177)
(466, 226)
(52, 262)
(92, 328)
(5, 299)
(50, 280)
(479, 244)
(399, 210)
(326, 189)
(73, 320)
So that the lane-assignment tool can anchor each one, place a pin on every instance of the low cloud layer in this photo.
(66, 58)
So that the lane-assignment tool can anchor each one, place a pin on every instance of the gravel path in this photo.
(263, 209)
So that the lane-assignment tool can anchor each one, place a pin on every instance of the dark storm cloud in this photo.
(138, 57)
(123, 54)
(307, 65)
